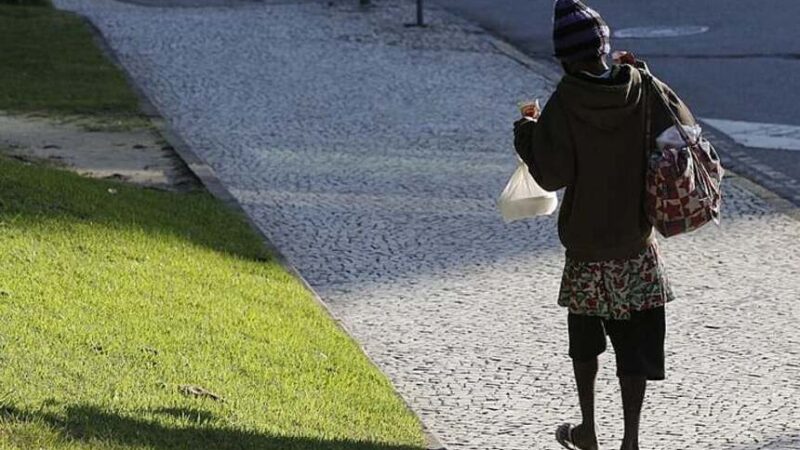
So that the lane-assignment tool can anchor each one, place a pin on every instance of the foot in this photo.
(576, 438)
(584, 437)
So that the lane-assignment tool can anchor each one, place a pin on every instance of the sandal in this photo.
(564, 436)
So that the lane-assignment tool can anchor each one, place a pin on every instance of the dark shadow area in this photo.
(25, 2)
(87, 423)
(373, 244)
(788, 442)
(32, 194)
(195, 414)
(213, 3)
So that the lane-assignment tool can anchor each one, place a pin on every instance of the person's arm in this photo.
(523, 138)
(546, 148)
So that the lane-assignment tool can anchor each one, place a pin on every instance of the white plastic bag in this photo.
(523, 198)
(671, 137)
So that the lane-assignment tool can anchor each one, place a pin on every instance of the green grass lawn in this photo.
(49, 64)
(113, 299)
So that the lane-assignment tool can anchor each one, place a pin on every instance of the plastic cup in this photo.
(526, 107)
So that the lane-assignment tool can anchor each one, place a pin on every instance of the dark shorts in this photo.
(638, 342)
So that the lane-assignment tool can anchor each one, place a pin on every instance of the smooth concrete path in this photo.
(372, 154)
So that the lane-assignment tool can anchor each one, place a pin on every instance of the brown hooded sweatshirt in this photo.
(590, 139)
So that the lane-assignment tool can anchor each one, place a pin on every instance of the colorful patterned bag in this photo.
(683, 182)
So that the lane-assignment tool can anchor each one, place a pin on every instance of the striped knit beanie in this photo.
(579, 32)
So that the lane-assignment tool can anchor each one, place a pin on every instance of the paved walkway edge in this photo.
(213, 185)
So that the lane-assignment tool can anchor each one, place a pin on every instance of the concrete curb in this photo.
(775, 201)
(214, 186)
(746, 173)
(545, 69)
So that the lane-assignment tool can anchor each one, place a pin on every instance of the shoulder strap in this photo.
(650, 81)
(648, 115)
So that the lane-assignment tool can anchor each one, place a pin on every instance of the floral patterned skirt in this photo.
(612, 289)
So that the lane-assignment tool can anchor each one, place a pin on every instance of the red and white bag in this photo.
(683, 178)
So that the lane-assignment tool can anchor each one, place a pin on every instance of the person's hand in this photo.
(623, 57)
(531, 110)
(521, 122)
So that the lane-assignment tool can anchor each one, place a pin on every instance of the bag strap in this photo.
(648, 121)
(653, 86)
(700, 169)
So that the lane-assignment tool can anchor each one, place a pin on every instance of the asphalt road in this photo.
(746, 67)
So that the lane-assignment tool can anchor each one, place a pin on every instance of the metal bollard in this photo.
(420, 18)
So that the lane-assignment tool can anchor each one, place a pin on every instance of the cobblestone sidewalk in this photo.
(372, 154)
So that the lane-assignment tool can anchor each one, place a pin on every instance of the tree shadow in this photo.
(196, 414)
(400, 238)
(32, 195)
(90, 424)
(788, 442)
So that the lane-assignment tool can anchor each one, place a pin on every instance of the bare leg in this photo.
(585, 373)
(633, 389)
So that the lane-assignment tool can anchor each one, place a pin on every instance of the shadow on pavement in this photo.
(209, 3)
(90, 424)
(789, 442)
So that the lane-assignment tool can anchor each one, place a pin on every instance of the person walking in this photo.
(591, 138)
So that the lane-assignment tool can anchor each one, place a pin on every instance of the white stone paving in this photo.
(371, 154)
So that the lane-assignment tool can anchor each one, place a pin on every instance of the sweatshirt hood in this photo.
(604, 106)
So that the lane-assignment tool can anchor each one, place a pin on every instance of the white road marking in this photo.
(759, 135)
(659, 32)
